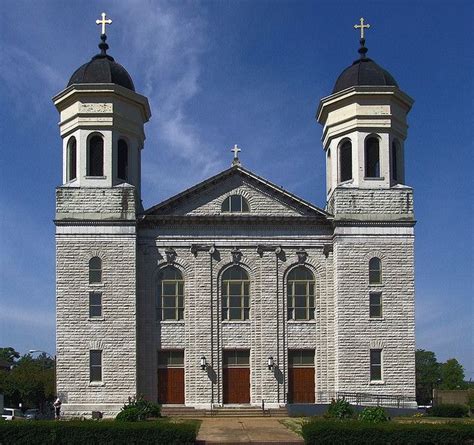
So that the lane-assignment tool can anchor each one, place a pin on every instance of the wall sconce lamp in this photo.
(203, 363)
(270, 363)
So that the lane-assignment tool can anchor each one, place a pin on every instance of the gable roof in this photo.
(307, 209)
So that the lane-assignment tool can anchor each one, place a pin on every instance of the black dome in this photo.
(364, 72)
(102, 69)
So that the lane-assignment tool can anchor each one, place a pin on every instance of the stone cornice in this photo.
(156, 220)
(77, 222)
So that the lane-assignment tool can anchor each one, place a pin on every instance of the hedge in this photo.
(95, 432)
(449, 410)
(352, 432)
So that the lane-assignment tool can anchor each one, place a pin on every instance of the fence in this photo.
(360, 398)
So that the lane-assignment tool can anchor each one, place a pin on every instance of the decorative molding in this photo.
(327, 248)
(96, 345)
(236, 255)
(302, 255)
(170, 255)
(95, 108)
(377, 344)
(262, 248)
(195, 248)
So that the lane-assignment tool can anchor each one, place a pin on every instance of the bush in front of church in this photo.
(354, 432)
(449, 410)
(80, 432)
(373, 414)
(138, 409)
(339, 409)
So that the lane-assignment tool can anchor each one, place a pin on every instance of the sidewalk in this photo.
(237, 430)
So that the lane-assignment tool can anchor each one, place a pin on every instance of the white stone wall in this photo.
(372, 204)
(114, 333)
(267, 333)
(356, 332)
(96, 203)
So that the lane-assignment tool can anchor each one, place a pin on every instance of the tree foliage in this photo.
(8, 355)
(428, 374)
(433, 375)
(29, 382)
(452, 375)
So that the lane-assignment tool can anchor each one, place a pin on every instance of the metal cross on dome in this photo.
(103, 22)
(362, 27)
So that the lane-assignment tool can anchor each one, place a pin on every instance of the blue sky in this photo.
(248, 72)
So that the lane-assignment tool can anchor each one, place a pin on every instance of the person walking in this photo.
(57, 408)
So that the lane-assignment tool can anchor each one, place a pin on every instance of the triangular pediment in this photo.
(264, 198)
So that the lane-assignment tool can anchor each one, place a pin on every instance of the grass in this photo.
(428, 419)
(295, 423)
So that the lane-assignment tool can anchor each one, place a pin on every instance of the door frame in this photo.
(226, 366)
(171, 366)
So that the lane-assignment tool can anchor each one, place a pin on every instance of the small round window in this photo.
(235, 204)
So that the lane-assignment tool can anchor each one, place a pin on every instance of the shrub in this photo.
(373, 414)
(353, 432)
(129, 414)
(137, 409)
(339, 409)
(43, 432)
(449, 410)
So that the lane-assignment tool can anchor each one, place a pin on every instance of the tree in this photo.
(428, 374)
(452, 375)
(9, 355)
(29, 382)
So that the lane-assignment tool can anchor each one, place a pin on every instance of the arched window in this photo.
(95, 164)
(170, 294)
(235, 204)
(375, 271)
(372, 160)
(300, 294)
(122, 160)
(235, 294)
(95, 270)
(71, 159)
(396, 162)
(345, 161)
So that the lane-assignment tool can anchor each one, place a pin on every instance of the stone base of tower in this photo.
(84, 410)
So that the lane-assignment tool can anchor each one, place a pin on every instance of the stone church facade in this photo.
(235, 291)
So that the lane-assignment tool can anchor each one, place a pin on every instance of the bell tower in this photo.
(364, 130)
(102, 129)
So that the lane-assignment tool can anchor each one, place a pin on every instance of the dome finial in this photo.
(102, 45)
(362, 50)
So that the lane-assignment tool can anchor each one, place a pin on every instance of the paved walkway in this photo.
(254, 430)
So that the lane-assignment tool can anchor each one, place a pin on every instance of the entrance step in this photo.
(189, 412)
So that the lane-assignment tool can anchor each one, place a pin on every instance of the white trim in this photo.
(103, 230)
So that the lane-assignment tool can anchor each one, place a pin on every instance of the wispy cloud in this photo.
(167, 47)
(25, 76)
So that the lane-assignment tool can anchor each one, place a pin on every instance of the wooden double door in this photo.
(171, 377)
(236, 377)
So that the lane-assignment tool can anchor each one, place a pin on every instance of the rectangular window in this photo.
(375, 364)
(95, 359)
(375, 304)
(301, 357)
(171, 359)
(236, 358)
(95, 304)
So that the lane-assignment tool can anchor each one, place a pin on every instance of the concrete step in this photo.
(190, 412)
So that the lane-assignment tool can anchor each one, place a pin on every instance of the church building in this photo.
(234, 292)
